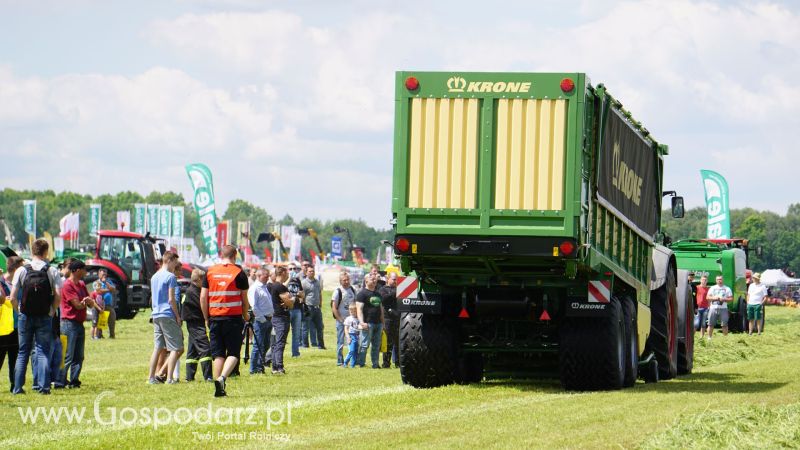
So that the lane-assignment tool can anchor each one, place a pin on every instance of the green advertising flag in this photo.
(138, 220)
(95, 218)
(30, 216)
(164, 220)
(203, 201)
(719, 217)
(177, 221)
(152, 219)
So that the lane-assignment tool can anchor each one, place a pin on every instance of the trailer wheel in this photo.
(663, 340)
(685, 324)
(631, 341)
(427, 350)
(592, 351)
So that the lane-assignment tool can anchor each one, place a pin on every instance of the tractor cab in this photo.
(130, 260)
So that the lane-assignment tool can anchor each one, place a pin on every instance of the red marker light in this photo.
(412, 84)
(402, 245)
(544, 316)
(463, 314)
(566, 248)
(567, 85)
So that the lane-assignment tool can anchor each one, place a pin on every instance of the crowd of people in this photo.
(711, 304)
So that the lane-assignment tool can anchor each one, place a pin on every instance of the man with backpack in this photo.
(341, 299)
(36, 293)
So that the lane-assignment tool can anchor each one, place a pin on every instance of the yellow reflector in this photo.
(414, 248)
(555, 251)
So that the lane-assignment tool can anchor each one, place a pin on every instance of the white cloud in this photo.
(284, 101)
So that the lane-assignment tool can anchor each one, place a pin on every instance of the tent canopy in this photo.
(776, 277)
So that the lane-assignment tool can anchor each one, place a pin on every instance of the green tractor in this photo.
(726, 257)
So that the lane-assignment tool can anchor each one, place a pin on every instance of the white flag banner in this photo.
(287, 231)
(124, 220)
(294, 250)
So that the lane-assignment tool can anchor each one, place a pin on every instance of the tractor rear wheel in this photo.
(427, 350)
(663, 341)
(629, 310)
(685, 325)
(592, 351)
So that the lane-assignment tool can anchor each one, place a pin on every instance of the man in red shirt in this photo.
(74, 301)
(702, 306)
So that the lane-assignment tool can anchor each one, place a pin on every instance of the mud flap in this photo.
(425, 303)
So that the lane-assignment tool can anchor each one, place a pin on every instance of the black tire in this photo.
(427, 350)
(592, 351)
(663, 342)
(738, 322)
(470, 368)
(631, 341)
(685, 324)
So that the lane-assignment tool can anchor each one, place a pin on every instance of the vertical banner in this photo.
(164, 220)
(177, 221)
(203, 201)
(717, 206)
(295, 248)
(139, 218)
(242, 234)
(95, 218)
(58, 246)
(124, 220)
(52, 250)
(336, 247)
(222, 233)
(30, 216)
(152, 219)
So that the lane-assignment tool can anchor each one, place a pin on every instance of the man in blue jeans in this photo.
(368, 302)
(282, 303)
(35, 293)
(261, 300)
(314, 326)
(295, 288)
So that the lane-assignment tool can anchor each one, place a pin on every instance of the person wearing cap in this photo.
(75, 300)
(756, 294)
(701, 318)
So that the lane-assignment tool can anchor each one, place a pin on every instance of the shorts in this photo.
(95, 318)
(721, 313)
(754, 312)
(226, 336)
(167, 334)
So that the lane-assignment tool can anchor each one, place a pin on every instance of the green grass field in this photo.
(744, 394)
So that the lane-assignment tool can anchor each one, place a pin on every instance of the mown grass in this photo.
(736, 377)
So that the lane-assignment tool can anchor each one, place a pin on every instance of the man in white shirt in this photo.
(719, 295)
(756, 294)
(260, 298)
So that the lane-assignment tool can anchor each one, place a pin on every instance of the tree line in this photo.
(52, 206)
(774, 239)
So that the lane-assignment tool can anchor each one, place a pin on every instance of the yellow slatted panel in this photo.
(530, 152)
(469, 151)
(443, 149)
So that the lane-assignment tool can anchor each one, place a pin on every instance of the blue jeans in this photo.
(38, 329)
(296, 319)
(315, 327)
(339, 343)
(54, 359)
(370, 337)
(261, 335)
(73, 362)
(352, 355)
(281, 325)
(701, 318)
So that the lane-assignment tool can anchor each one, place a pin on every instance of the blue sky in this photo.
(290, 103)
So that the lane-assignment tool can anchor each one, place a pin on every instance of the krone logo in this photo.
(456, 84)
(624, 178)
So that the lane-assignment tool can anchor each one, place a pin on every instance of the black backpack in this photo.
(37, 292)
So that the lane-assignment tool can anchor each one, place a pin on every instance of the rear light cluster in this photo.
(402, 245)
(566, 248)
(567, 85)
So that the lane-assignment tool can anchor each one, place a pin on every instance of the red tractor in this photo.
(130, 259)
